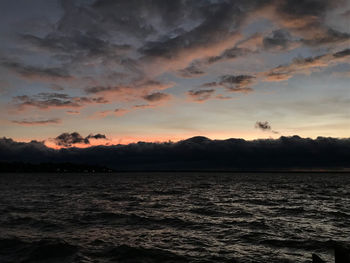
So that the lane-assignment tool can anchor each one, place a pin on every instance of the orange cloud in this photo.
(73, 112)
(47, 101)
(29, 122)
(139, 89)
(103, 114)
(305, 66)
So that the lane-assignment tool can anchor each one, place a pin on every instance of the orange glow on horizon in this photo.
(124, 140)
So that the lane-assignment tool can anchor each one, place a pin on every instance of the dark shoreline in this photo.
(179, 171)
(66, 167)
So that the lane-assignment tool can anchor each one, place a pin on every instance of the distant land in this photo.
(20, 167)
(288, 154)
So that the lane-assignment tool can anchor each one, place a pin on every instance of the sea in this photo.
(173, 217)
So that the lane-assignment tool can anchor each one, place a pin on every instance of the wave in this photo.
(301, 244)
(42, 224)
(120, 219)
(125, 253)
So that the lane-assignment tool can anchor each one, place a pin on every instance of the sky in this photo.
(121, 71)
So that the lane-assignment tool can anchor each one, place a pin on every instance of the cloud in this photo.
(77, 44)
(73, 112)
(200, 95)
(233, 83)
(197, 68)
(121, 54)
(239, 83)
(100, 89)
(346, 14)
(264, 126)
(120, 111)
(229, 54)
(70, 139)
(143, 106)
(306, 18)
(96, 136)
(329, 36)
(304, 65)
(133, 91)
(191, 71)
(133, 42)
(218, 19)
(343, 53)
(279, 40)
(33, 72)
(222, 97)
(198, 153)
(103, 114)
(156, 96)
(45, 101)
(27, 122)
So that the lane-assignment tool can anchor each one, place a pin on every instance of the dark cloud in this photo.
(191, 71)
(130, 37)
(73, 112)
(302, 8)
(279, 39)
(229, 54)
(91, 35)
(99, 89)
(201, 95)
(264, 126)
(298, 65)
(346, 14)
(198, 153)
(55, 100)
(96, 136)
(138, 19)
(159, 28)
(329, 36)
(38, 122)
(307, 18)
(104, 31)
(304, 65)
(343, 53)
(141, 85)
(143, 106)
(77, 44)
(103, 28)
(209, 84)
(197, 68)
(69, 139)
(156, 96)
(36, 72)
(233, 83)
(239, 83)
(218, 22)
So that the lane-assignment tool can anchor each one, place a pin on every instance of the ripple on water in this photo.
(172, 217)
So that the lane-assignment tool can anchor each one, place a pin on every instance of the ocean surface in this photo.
(172, 217)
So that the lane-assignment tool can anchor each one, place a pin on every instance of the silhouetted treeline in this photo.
(197, 153)
(20, 167)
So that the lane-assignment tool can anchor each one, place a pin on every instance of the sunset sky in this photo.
(157, 70)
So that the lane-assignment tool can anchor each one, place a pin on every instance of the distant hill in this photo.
(197, 153)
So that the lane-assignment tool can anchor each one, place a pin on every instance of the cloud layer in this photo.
(115, 63)
(70, 139)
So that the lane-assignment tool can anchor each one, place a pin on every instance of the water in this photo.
(172, 217)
